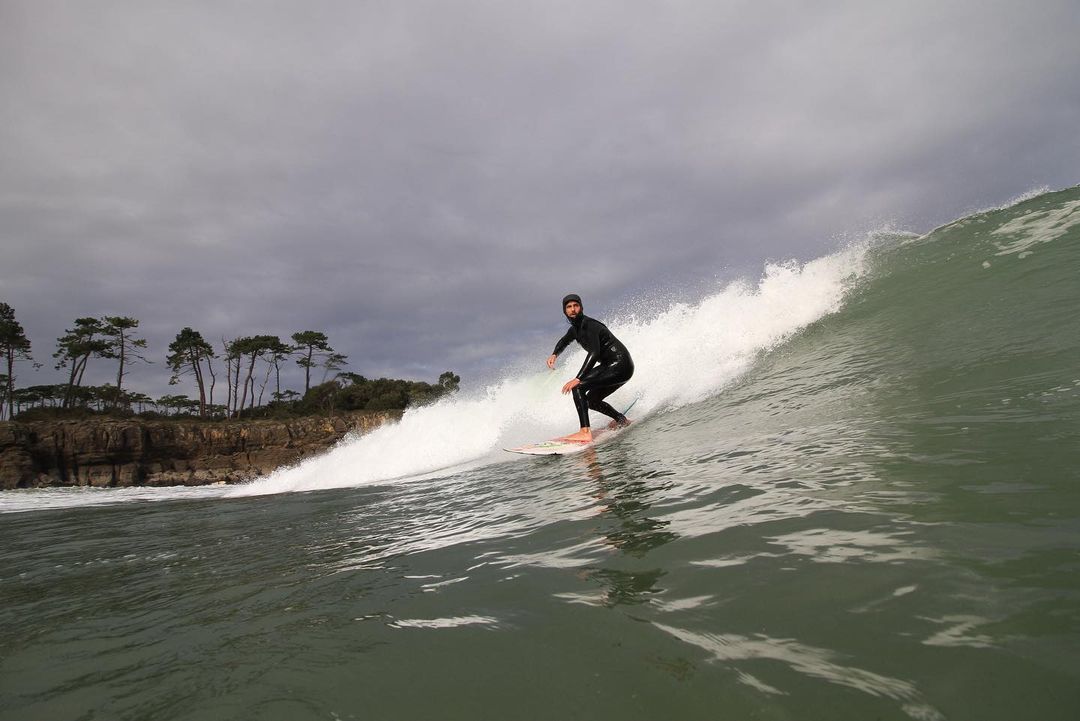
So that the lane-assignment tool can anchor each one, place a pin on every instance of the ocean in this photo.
(851, 492)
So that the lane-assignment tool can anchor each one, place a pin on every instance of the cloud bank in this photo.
(424, 180)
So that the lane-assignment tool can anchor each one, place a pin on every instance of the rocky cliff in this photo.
(134, 452)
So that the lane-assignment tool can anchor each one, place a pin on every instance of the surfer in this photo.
(606, 368)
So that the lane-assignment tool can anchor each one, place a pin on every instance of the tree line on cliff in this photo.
(240, 371)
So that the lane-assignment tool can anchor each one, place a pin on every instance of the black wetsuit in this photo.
(597, 383)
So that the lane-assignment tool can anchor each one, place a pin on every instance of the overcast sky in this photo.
(423, 181)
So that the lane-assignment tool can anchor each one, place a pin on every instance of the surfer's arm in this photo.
(563, 342)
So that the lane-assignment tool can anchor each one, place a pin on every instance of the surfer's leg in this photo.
(585, 434)
(595, 399)
(595, 386)
(582, 405)
(602, 381)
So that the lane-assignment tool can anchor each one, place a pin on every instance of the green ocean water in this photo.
(877, 518)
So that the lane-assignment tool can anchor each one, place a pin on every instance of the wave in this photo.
(684, 355)
(977, 317)
(892, 306)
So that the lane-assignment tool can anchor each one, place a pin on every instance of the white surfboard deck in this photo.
(559, 447)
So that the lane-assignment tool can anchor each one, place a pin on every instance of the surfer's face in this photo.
(572, 309)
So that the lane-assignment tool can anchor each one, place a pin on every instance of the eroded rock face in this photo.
(107, 452)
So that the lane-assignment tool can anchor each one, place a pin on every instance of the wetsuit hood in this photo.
(566, 299)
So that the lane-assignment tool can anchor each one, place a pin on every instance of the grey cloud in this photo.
(420, 179)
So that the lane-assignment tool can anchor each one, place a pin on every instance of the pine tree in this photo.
(124, 345)
(14, 345)
(307, 343)
(75, 349)
(187, 354)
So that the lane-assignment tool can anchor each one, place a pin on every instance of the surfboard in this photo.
(556, 447)
(559, 447)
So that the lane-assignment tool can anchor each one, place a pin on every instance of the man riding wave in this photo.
(606, 368)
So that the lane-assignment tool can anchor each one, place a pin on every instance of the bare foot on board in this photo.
(579, 437)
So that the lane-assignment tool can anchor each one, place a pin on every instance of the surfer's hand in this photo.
(551, 362)
(571, 385)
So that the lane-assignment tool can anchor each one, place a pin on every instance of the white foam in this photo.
(685, 354)
(40, 499)
(1037, 227)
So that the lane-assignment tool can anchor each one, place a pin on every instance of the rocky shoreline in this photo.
(123, 453)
